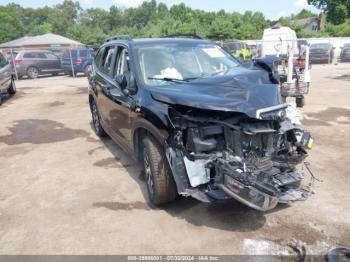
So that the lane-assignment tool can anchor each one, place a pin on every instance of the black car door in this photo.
(120, 103)
(103, 82)
(5, 73)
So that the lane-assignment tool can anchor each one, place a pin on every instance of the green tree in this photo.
(337, 10)
(304, 14)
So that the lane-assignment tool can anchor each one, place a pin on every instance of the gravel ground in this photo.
(64, 191)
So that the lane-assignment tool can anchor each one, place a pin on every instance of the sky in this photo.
(272, 9)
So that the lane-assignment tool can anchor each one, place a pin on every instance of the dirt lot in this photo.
(64, 191)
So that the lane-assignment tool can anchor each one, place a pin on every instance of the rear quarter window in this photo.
(67, 54)
(30, 55)
(83, 53)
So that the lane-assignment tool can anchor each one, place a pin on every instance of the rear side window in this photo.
(30, 55)
(42, 56)
(83, 53)
(51, 56)
(34, 55)
(66, 54)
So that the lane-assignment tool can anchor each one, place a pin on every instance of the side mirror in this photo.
(121, 81)
(128, 86)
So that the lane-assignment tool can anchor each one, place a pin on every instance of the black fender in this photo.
(142, 126)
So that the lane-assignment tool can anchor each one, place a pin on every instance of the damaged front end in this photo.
(220, 155)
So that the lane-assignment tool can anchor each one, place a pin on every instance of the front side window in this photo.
(41, 56)
(161, 63)
(51, 56)
(106, 65)
(122, 63)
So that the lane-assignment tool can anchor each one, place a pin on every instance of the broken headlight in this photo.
(279, 115)
(304, 139)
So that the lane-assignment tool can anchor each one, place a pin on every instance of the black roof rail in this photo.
(194, 36)
(120, 37)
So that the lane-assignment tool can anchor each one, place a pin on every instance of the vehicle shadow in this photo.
(6, 97)
(229, 215)
(26, 78)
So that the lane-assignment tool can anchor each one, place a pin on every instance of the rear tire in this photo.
(32, 72)
(12, 89)
(96, 121)
(87, 70)
(160, 183)
(72, 74)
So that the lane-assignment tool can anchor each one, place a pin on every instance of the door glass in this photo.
(29, 55)
(41, 55)
(122, 63)
(51, 56)
(106, 65)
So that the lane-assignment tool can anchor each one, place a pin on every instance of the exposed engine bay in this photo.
(221, 155)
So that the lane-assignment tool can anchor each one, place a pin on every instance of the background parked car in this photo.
(238, 49)
(37, 62)
(7, 82)
(81, 59)
(321, 53)
(11, 56)
(345, 53)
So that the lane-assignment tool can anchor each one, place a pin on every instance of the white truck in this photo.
(293, 66)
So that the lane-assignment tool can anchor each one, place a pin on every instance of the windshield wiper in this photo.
(167, 79)
(174, 80)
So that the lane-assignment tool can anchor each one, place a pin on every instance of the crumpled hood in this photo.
(240, 90)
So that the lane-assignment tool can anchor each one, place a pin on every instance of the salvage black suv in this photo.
(202, 124)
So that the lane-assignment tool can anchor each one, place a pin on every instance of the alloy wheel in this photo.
(148, 173)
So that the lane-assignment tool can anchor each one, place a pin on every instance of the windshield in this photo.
(176, 63)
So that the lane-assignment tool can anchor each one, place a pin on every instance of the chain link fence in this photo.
(322, 50)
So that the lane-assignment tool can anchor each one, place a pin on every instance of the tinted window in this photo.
(41, 55)
(83, 53)
(66, 54)
(51, 56)
(30, 55)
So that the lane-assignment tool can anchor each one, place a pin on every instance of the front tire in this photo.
(300, 101)
(96, 121)
(32, 72)
(160, 183)
(12, 89)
